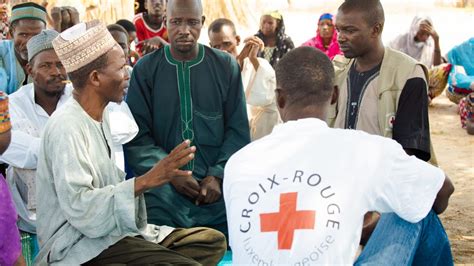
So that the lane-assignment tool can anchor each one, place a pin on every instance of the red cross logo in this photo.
(392, 120)
(287, 220)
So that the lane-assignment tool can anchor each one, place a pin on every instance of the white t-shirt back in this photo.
(299, 195)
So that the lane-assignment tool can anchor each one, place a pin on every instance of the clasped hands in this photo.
(167, 170)
(253, 45)
(206, 191)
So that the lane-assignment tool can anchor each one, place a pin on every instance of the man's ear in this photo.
(237, 38)
(335, 95)
(282, 102)
(29, 69)
(203, 19)
(165, 21)
(94, 78)
(280, 98)
(377, 29)
(11, 31)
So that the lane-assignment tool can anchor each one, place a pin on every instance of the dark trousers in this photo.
(192, 246)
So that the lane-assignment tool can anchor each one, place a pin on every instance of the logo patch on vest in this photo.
(390, 118)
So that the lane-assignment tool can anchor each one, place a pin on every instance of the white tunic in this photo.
(260, 88)
(83, 203)
(28, 121)
(298, 196)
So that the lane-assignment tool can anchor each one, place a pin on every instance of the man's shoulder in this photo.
(402, 66)
(22, 100)
(222, 60)
(341, 65)
(258, 151)
(138, 18)
(22, 94)
(5, 46)
(150, 59)
(262, 61)
(216, 54)
(6, 51)
(396, 57)
(67, 120)
(254, 150)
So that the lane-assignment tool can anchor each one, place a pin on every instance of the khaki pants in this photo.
(192, 246)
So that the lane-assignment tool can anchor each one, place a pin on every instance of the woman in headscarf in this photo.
(272, 32)
(461, 82)
(421, 42)
(326, 37)
(461, 77)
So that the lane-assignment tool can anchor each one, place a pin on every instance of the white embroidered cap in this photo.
(82, 44)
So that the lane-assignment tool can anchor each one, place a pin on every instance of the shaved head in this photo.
(372, 9)
(183, 3)
(306, 75)
(183, 40)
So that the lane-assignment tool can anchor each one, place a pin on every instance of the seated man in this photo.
(27, 20)
(86, 212)
(30, 108)
(258, 76)
(186, 90)
(299, 195)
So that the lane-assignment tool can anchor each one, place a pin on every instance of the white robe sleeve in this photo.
(260, 91)
(122, 124)
(92, 208)
(25, 142)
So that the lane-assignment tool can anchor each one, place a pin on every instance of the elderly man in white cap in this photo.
(87, 213)
(30, 109)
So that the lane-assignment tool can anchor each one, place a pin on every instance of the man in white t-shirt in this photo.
(298, 196)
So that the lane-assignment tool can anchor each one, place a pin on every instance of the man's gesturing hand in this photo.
(167, 168)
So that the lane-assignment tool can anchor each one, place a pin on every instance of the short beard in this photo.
(185, 51)
(53, 94)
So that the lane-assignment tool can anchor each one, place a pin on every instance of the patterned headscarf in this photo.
(284, 43)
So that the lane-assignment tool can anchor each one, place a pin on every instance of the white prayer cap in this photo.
(40, 42)
(82, 44)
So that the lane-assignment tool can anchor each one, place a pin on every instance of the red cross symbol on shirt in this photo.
(287, 220)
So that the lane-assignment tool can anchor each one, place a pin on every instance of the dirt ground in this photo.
(454, 149)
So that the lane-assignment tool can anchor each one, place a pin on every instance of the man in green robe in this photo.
(187, 91)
